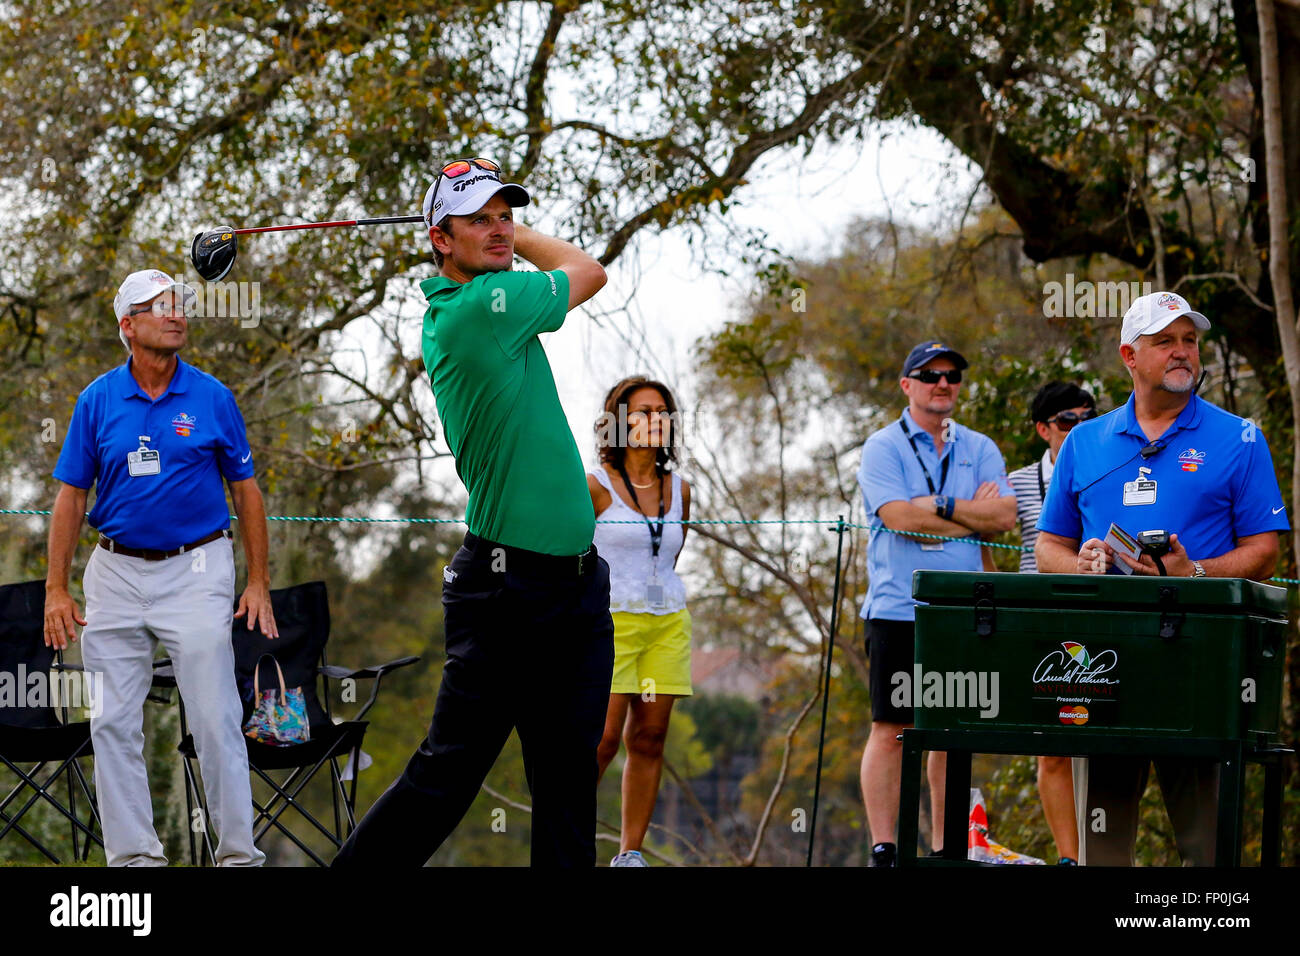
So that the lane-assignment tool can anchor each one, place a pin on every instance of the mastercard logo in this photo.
(1077, 715)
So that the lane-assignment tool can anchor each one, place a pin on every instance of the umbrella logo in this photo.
(1078, 653)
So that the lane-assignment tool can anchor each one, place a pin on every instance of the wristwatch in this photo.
(944, 506)
(1197, 570)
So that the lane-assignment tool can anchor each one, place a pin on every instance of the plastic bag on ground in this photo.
(980, 847)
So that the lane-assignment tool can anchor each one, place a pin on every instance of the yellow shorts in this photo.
(652, 653)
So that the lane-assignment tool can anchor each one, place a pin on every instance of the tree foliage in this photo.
(1117, 139)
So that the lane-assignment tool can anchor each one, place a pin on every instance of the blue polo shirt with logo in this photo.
(891, 472)
(1214, 477)
(199, 434)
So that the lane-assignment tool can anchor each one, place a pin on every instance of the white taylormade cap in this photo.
(1150, 313)
(468, 193)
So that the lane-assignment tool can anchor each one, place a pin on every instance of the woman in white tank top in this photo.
(640, 504)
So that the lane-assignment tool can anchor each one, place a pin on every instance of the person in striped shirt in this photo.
(1057, 408)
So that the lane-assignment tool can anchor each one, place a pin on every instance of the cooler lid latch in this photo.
(1170, 619)
(986, 613)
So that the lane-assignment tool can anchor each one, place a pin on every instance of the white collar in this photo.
(1047, 465)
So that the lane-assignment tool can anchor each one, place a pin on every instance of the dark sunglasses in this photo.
(1067, 420)
(931, 377)
(459, 167)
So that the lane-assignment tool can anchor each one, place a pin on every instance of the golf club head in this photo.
(213, 253)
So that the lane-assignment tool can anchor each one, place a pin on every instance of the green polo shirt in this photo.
(500, 411)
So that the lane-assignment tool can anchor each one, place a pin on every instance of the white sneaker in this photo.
(630, 858)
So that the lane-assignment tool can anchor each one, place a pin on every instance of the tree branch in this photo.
(777, 787)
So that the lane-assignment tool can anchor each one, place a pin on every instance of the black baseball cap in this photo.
(1058, 397)
(932, 349)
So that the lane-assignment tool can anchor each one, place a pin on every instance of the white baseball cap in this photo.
(1150, 313)
(141, 287)
(144, 285)
(468, 193)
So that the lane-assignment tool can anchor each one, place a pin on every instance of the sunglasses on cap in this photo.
(459, 167)
(931, 377)
(1067, 420)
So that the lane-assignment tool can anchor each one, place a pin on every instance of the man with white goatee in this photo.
(1165, 460)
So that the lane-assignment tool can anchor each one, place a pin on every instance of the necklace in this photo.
(650, 484)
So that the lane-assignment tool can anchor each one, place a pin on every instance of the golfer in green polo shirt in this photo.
(526, 598)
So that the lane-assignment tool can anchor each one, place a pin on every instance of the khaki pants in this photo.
(1114, 785)
(186, 603)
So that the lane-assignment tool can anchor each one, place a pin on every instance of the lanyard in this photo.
(943, 473)
(656, 531)
(1042, 488)
(1149, 450)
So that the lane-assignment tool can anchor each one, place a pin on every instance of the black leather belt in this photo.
(150, 554)
(534, 562)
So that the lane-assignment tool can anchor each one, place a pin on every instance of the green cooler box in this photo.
(1076, 654)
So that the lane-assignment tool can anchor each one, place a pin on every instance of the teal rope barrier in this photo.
(940, 537)
(406, 520)
(340, 519)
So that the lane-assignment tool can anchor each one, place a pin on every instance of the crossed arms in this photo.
(989, 512)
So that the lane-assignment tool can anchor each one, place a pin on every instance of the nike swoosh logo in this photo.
(250, 455)
(1276, 510)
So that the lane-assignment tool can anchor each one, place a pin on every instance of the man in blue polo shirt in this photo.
(1166, 460)
(922, 474)
(156, 437)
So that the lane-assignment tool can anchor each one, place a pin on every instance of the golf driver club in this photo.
(213, 252)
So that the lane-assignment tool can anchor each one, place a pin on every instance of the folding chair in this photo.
(303, 620)
(31, 731)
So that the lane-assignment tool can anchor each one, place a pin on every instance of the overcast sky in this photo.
(805, 204)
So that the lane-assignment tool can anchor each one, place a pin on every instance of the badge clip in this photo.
(1140, 491)
(144, 460)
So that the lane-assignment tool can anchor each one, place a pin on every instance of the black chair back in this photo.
(23, 654)
(302, 617)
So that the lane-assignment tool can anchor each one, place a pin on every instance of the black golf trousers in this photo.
(530, 645)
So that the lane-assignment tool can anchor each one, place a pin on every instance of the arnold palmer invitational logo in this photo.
(1191, 459)
(1071, 684)
(1076, 686)
(1073, 670)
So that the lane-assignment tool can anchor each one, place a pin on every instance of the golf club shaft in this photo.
(388, 220)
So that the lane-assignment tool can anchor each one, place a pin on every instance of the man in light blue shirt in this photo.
(1166, 460)
(922, 474)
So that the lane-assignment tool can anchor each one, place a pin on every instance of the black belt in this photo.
(532, 562)
(151, 554)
